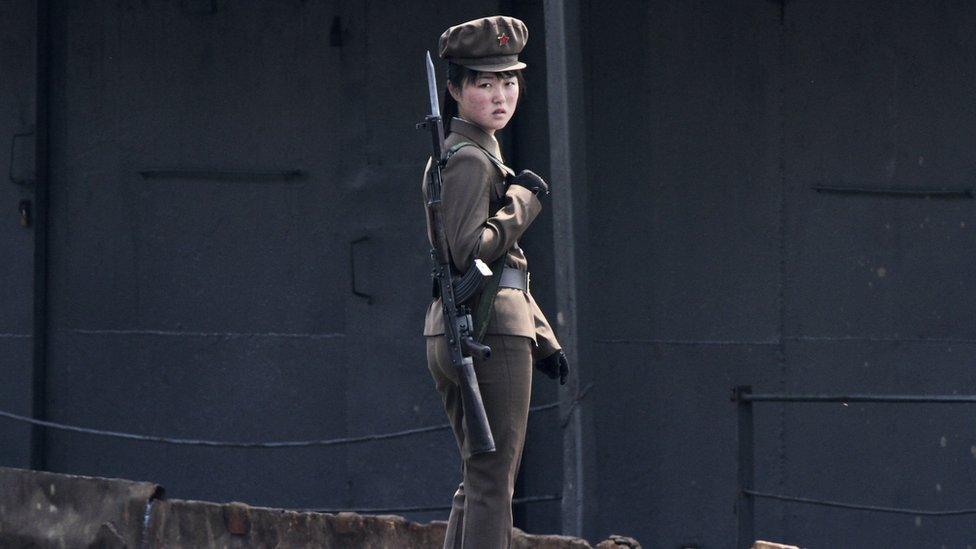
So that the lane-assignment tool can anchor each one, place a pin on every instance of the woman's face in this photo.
(488, 101)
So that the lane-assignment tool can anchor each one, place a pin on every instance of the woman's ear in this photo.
(455, 93)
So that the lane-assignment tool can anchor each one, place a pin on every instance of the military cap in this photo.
(489, 44)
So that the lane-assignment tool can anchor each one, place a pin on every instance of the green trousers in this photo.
(481, 514)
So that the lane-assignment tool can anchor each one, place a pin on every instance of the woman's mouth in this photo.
(499, 111)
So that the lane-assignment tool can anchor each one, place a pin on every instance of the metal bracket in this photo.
(352, 267)
(744, 505)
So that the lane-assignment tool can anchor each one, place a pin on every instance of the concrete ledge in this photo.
(39, 509)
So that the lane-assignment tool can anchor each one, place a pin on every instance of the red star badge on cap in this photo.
(502, 39)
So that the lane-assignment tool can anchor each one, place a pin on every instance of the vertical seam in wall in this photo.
(564, 235)
(38, 457)
(364, 66)
(781, 349)
(356, 13)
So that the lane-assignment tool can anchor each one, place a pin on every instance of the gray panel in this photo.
(880, 100)
(390, 389)
(877, 294)
(197, 307)
(917, 456)
(17, 112)
(16, 117)
(15, 397)
(682, 166)
(173, 253)
(684, 266)
(245, 388)
(665, 433)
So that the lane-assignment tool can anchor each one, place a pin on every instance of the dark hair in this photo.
(459, 75)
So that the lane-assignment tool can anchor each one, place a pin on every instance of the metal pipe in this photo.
(565, 150)
(745, 505)
(856, 397)
(38, 452)
(909, 191)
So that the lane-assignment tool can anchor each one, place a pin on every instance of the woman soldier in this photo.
(485, 209)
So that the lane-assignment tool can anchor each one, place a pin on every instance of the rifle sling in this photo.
(483, 314)
(461, 144)
(488, 293)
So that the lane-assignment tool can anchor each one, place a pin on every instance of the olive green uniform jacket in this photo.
(483, 219)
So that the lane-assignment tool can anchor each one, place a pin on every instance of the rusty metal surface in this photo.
(39, 509)
(521, 540)
(178, 523)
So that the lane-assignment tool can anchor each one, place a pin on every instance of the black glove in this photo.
(555, 365)
(530, 181)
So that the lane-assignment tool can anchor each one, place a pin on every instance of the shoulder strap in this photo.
(461, 144)
(483, 315)
(486, 304)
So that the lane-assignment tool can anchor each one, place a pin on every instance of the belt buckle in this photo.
(528, 282)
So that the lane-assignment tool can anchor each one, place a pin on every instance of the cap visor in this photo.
(518, 65)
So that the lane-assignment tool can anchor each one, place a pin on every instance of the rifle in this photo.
(458, 324)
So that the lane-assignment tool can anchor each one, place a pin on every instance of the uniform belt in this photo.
(514, 278)
(511, 278)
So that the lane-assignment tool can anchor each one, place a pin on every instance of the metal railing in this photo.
(745, 501)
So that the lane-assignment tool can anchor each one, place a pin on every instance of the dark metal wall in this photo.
(684, 244)
(17, 125)
(190, 302)
(879, 288)
(200, 289)
(709, 124)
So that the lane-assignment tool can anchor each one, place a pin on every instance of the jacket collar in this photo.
(476, 135)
